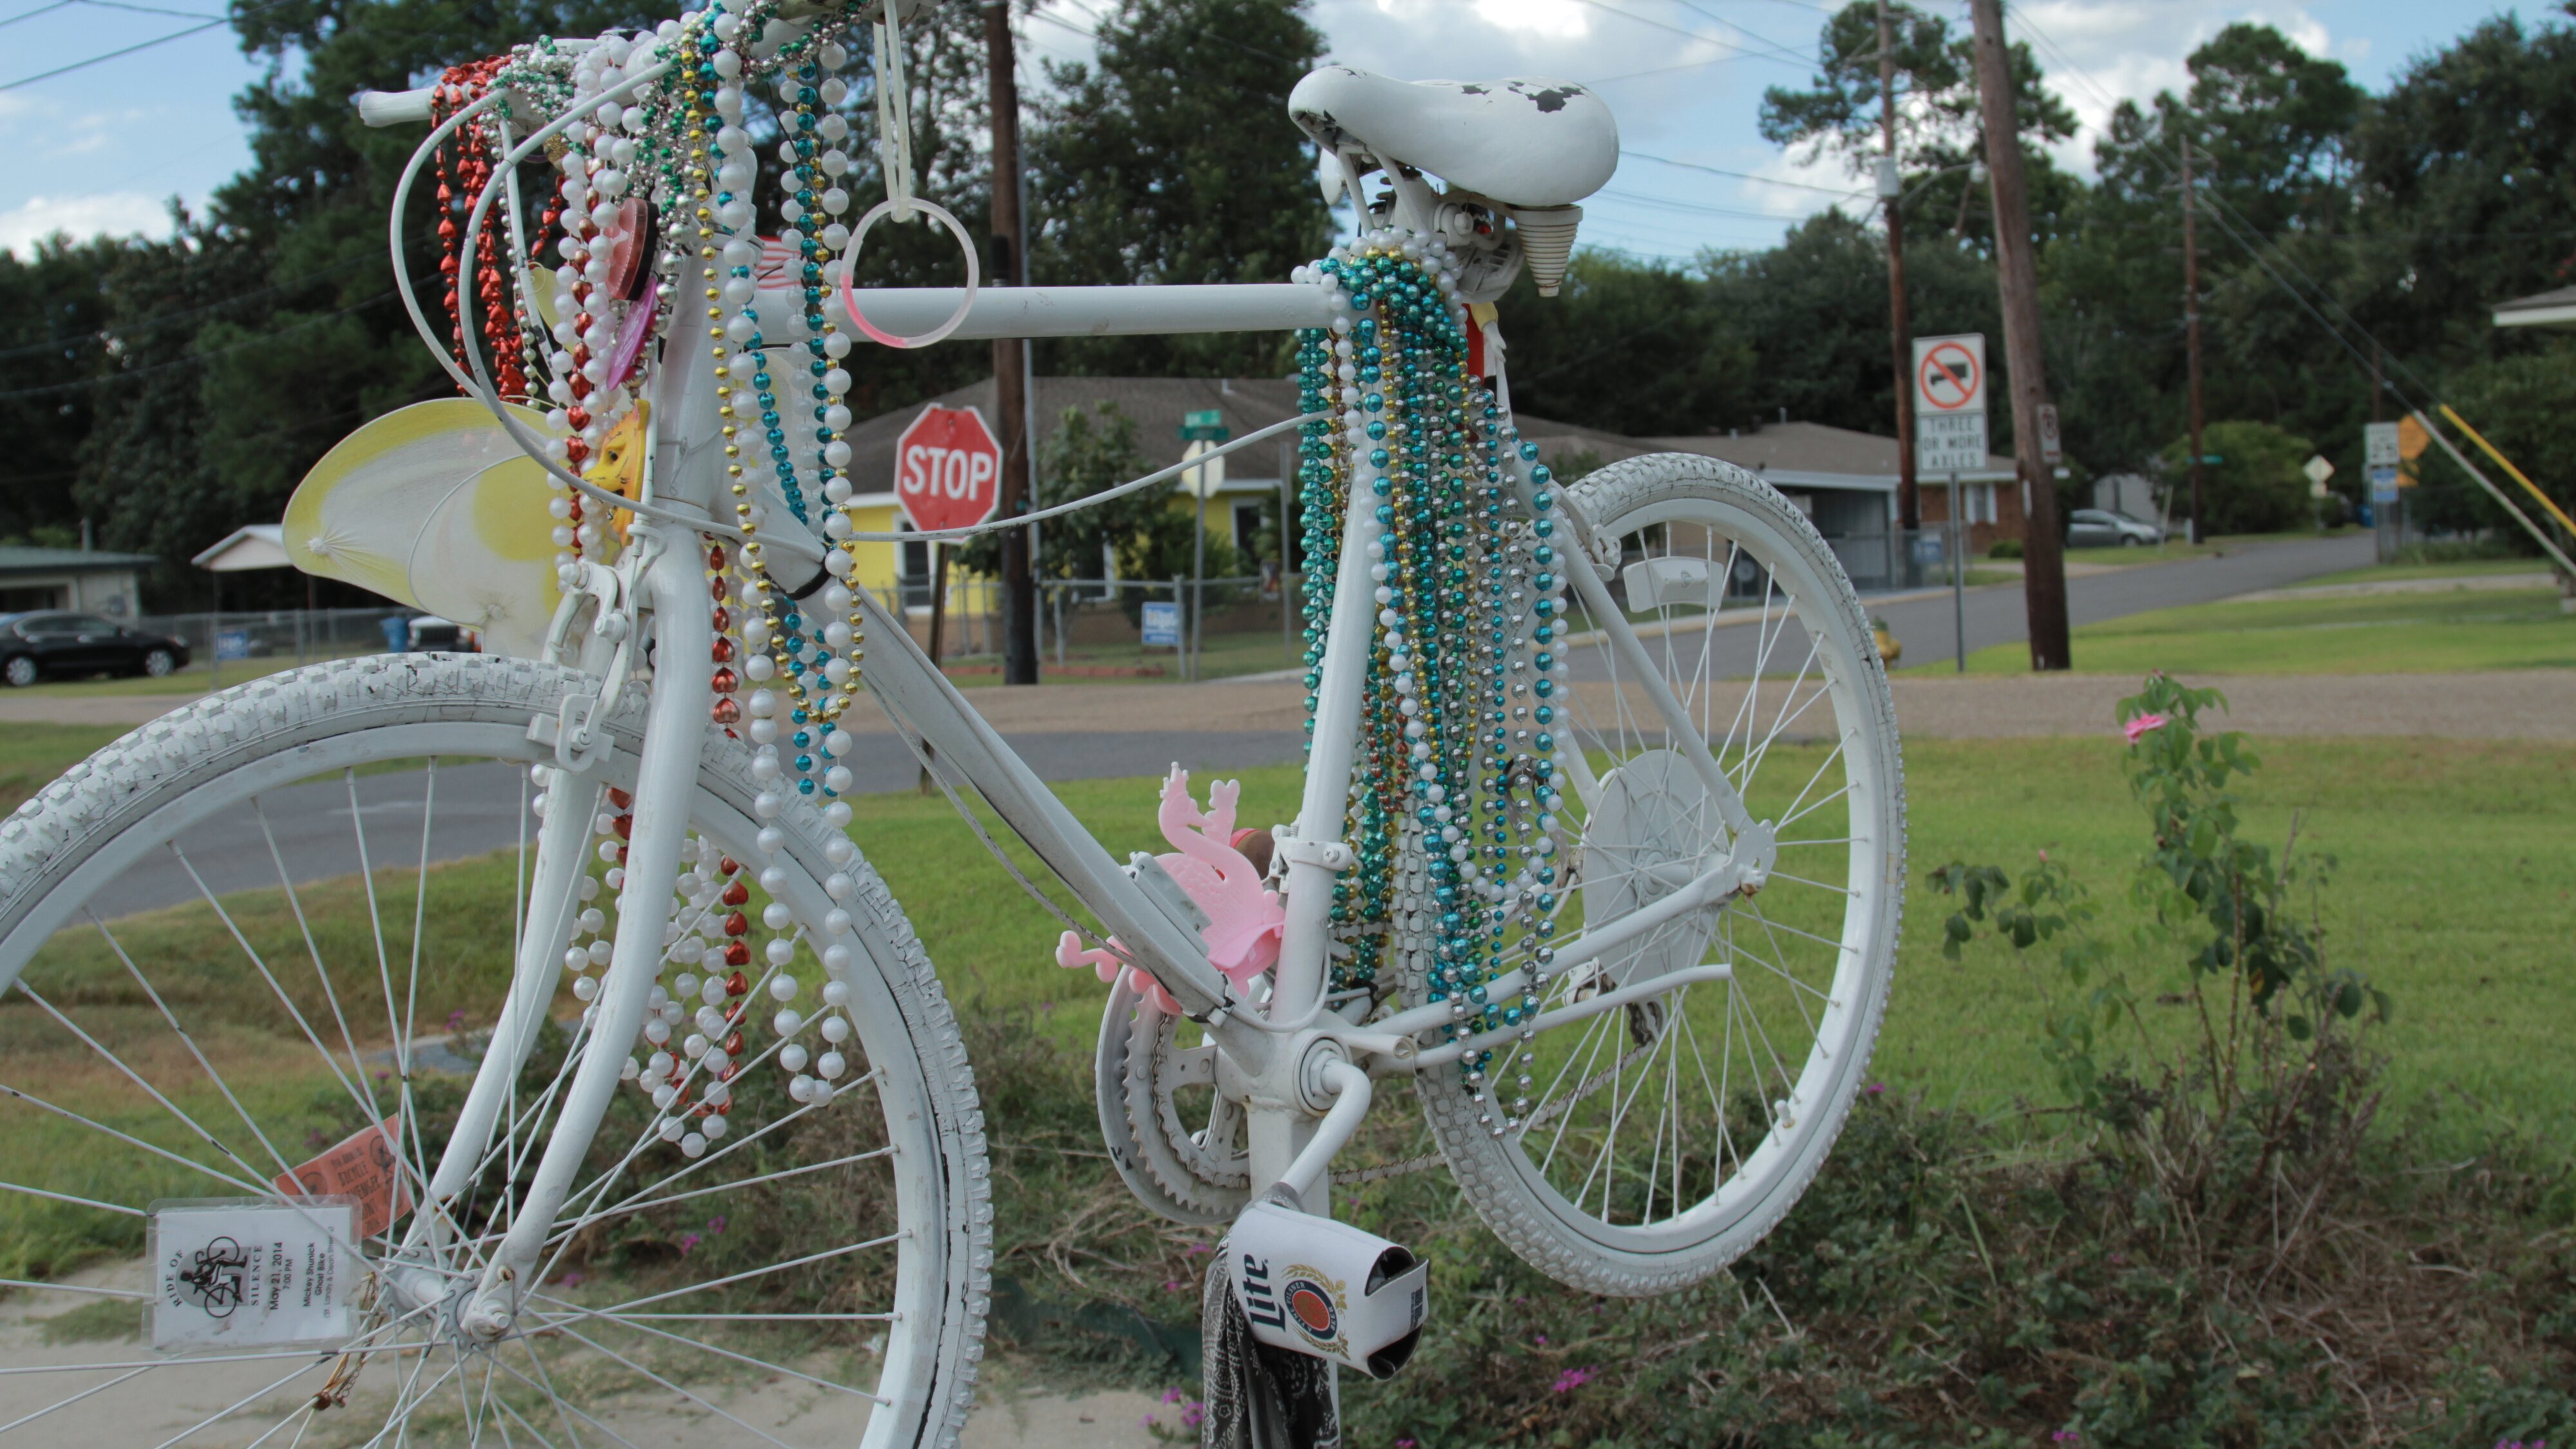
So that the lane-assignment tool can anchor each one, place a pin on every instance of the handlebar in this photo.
(392, 108)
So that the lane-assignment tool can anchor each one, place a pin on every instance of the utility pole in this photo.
(2043, 577)
(1011, 381)
(1900, 331)
(2191, 336)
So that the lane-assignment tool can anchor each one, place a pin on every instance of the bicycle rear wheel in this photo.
(263, 924)
(1647, 1147)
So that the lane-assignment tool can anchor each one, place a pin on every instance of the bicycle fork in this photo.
(675, 731)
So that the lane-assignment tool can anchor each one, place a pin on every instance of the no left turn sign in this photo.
(1950, 374)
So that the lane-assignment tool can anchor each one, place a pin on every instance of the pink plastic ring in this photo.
(849, 265)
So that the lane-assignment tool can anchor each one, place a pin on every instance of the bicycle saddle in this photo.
(1522, 142)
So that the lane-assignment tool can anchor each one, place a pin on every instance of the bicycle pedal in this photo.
(1326, 1289)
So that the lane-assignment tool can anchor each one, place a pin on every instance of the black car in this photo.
(62, 644)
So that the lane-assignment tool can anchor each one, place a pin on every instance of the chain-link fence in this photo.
(1126, 628)
(301, 635)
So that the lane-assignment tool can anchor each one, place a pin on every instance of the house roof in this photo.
(251, 546)
(2556, 308)
(20, 561)
(1154, 404)
(1797, 455)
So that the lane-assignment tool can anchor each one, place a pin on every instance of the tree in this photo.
(1149, 538)
(2268, 122)
(1813, 314)
(2256, 487)
(1171, 159)
(1839, 110)
(51, 347)
(1630, 346)
(2464, 195)
(2520, 404)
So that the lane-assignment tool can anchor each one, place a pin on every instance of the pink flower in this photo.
(688, 1241)
(715, 1224)
(1572, 1379)
(2138, 728)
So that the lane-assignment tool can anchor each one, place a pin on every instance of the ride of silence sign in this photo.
(244, 1272)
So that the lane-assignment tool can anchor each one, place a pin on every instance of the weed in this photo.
(101, 1320)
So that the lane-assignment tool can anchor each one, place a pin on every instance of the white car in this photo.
(2101, 528)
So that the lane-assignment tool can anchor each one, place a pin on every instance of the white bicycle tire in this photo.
(1515, 1197)
(148, 785)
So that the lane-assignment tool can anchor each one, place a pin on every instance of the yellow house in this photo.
(1247, 488)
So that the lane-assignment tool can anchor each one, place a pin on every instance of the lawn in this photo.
(31, 755)
(2448, 885)
(2449, 892)
(194, 679)
(2459, 569)
(2369, 634)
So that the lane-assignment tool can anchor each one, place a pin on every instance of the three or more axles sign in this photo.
(1950, 403)
(947, 470)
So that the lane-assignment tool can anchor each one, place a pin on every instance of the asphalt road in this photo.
(477, 808)
(473, 809)
(1996, 615)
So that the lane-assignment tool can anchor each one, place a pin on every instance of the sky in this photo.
(107, 148)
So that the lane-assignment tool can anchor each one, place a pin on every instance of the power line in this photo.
(142, 324)
(39, 10)
(1744, 175)
(2242, 232)
(145, 45)
(154, 10)
(111, 55)
(196, 358)
(1783, 57)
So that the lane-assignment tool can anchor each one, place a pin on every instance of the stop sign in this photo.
(947, 469)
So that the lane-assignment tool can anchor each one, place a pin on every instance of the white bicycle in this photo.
(1601, 841)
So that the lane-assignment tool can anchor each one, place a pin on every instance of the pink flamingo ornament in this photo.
(1245, 920)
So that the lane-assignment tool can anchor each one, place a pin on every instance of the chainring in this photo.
(1200, 1176)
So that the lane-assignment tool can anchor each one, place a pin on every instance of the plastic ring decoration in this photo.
(849, 265)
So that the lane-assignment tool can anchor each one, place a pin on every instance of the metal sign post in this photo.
(1950, 437)
(1200, 429)
(1958, 574)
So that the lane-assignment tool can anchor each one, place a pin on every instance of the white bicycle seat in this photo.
(1522, 142)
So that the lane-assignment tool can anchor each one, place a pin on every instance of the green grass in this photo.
(101, 1320)
(2459, 569)
(1221, 656)
(31, 755)
(2450, 894)
(2369, 634)
(197, 678)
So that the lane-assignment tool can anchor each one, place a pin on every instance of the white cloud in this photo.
(2098, 53)
(117, 213)
(1547, 19)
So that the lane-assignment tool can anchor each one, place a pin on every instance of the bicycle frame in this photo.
(1302, 1069)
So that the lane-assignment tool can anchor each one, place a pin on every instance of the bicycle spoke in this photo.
(304, 925)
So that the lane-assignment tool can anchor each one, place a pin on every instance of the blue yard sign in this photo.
(1162, 625)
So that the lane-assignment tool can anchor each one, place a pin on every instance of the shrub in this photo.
(2256, 486)
(2005, 548)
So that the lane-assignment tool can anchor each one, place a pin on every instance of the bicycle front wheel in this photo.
(282, 921)
(1645, 1148)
